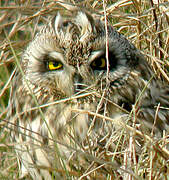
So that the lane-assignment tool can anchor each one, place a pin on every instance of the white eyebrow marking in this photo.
(95, 54)
(57, 55)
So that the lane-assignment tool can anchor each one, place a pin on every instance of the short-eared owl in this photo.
(73, 92)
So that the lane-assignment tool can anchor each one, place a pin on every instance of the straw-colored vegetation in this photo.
(144, 22)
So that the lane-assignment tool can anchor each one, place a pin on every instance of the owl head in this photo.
(71, 55)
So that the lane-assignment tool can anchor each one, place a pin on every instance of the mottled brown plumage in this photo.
(76, 47)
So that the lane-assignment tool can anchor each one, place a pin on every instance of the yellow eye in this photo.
(54, 65)
(102, 63)
(99, 63)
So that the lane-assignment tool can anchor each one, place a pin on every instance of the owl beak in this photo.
(78, 85)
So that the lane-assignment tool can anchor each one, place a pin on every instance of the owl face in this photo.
(68, 56)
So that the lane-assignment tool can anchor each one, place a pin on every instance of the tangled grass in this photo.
(143, 22)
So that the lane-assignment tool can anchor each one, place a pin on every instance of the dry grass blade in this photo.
(128, 154)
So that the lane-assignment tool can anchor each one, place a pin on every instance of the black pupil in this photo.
(55, 64)
(99, 62)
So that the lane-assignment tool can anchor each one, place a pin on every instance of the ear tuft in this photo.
(85, 21)
(58, 22)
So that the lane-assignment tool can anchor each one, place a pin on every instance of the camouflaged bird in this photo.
(63, 100)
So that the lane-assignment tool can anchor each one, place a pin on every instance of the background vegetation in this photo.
(144, 22)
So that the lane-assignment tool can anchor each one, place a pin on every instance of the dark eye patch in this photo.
(101, 62)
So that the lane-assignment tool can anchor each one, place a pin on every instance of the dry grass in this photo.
(144, 22)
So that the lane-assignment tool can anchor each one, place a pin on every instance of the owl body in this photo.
(67, 80)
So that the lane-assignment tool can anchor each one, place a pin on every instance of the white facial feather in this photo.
(58, 22)
(85, 24)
